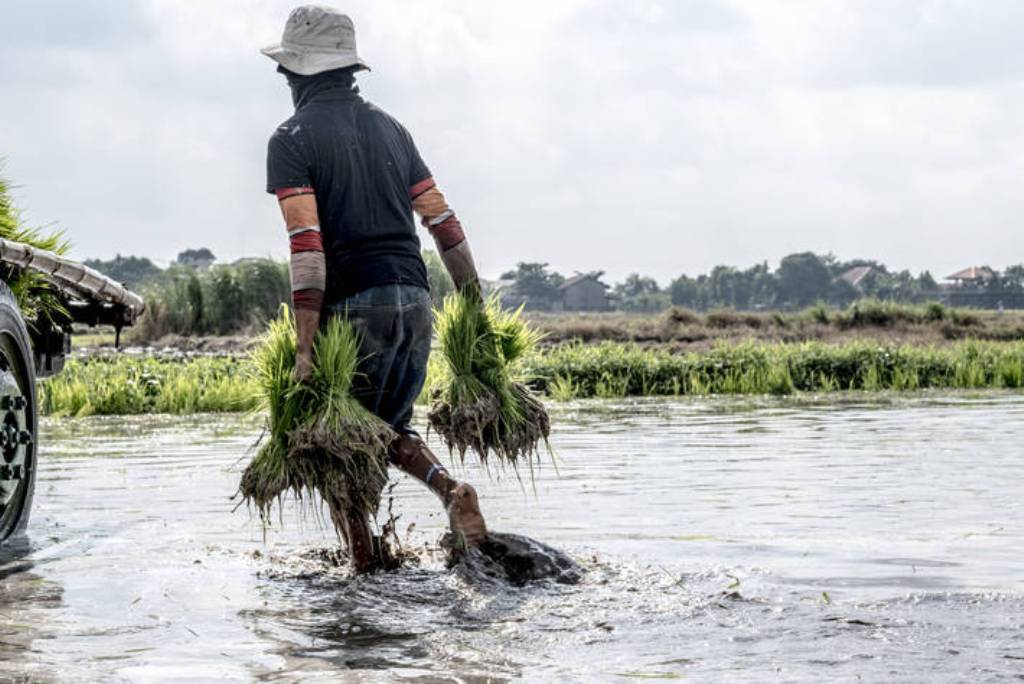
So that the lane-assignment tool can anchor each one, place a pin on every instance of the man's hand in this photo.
(303, 372)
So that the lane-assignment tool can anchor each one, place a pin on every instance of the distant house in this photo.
(857, 275)
(972, 277)
(584, 292)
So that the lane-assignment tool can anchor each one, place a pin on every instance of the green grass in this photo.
(133, 385)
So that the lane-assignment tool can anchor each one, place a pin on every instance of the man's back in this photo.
(361, 164)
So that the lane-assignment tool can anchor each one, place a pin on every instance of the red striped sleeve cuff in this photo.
(311, 300)
(306, 241)
(419, 188)
(448, 233)
(285, 193)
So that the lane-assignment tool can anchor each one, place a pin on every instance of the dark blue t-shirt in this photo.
(361, 163)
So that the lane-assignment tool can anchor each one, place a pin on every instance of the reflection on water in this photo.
(870, 536)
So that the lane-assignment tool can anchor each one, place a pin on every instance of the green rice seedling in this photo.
(779, 380)
(128, 384)
(320, 439)
(562, 388)
(479, 401)
(612, 386)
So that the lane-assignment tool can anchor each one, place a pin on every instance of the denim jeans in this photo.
(395, 325)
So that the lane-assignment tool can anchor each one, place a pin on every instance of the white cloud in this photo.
(637, 135)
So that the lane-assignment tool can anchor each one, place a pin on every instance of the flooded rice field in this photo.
(874, 538)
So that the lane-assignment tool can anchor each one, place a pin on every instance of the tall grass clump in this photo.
(320, 439)
(479, 401)
(132, 385)
(35, 294)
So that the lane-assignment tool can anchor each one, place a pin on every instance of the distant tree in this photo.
(901, 286)
(534, 285)
(1013, 278)
(196, 258)
(1010, 281)
(133, 271)
(640, 293)
(725, 286)
(684, 291)
(803, 279)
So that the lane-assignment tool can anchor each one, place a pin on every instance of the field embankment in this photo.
(676, 330)
(131, 384)
(683, 330)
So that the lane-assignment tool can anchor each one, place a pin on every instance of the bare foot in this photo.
(464, 515)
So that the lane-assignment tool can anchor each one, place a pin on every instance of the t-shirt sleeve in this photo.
(287, 166)
(418, 170)
(419, 173)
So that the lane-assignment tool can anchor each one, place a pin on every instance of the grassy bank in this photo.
(135, 385)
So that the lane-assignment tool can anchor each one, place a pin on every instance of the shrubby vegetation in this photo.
(221, 300)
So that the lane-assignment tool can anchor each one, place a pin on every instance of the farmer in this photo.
(348, 178)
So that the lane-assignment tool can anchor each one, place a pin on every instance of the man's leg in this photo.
(404, 384)
(372, 313)
(355, 528)
(410, 455)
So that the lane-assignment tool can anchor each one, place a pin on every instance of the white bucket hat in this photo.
(316, 39)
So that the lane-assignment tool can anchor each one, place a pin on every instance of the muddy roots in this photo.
(483, 426)
(347, 468)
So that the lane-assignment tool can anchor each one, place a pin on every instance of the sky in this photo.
(661, 137)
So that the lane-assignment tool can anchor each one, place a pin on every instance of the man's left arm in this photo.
(445, 228)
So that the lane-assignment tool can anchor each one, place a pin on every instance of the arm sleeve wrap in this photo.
(438, 217)
(308, 267)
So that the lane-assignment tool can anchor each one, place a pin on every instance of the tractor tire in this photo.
(18, 418)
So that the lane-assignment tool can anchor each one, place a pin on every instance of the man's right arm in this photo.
(288, 177)
(308, 271)
(444, 226)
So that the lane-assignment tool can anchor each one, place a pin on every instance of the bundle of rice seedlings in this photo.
(480, 401)
(320, 439)
(37, 297)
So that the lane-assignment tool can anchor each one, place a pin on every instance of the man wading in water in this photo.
(348, 178)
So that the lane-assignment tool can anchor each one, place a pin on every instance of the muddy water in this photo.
(874, 538)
